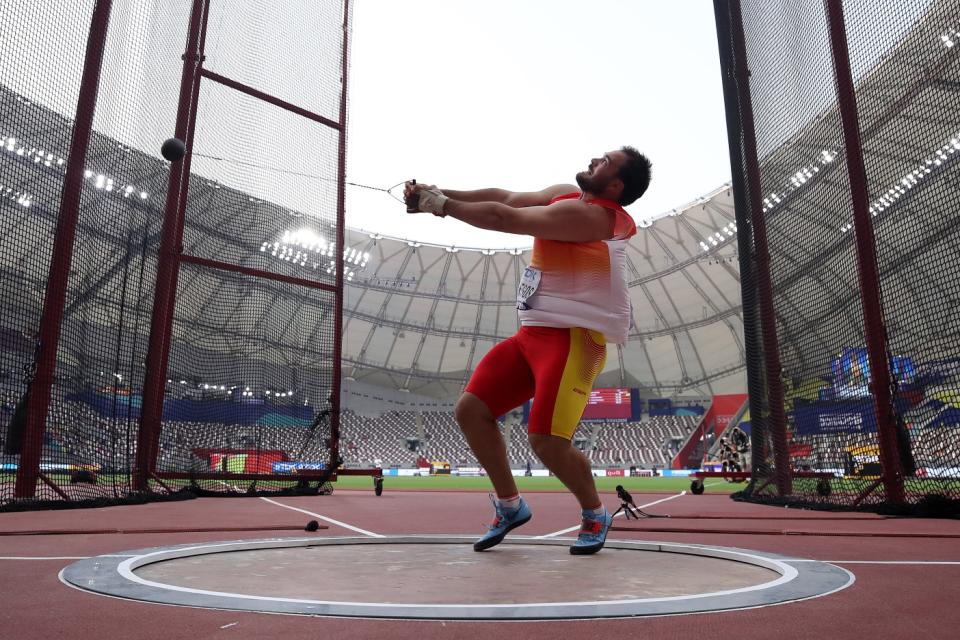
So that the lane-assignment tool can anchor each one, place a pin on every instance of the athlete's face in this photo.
(601, 177)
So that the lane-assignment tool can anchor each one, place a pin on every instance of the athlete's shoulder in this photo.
(540, 198)
(560, 192)
(624, 226)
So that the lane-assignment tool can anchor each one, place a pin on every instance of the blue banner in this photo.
(855, 416)
(290, 466)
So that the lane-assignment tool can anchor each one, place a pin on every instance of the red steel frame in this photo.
(875, 328)
(171, 254)
(168, 260)
(341, 222)
(771, 343)
(28, 469)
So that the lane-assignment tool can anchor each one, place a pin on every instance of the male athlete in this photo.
(572, 300)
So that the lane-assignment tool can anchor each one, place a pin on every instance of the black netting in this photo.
(903, 64)
(36, 125)
(911, 130)
(250, 358)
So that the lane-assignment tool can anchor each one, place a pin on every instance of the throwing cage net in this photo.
(170, 325)
(844, 123)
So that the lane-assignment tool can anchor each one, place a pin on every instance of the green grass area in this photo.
(457, 483)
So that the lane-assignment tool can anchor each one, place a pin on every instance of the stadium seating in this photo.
(79, 435)
(639, 443)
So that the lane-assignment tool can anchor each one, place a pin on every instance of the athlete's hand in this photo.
(412, 192)
(431, 200)
(412, 187)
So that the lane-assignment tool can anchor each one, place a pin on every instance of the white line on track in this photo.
(44, 557)
(118, 555)
(232, 487)
(642, 506)
(325, 519)
(903, 562)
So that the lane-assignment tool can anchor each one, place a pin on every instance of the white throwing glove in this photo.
(432, 201)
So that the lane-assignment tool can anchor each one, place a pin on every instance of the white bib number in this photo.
(528, 286)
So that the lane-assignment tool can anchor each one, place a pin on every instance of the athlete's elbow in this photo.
(507, 220)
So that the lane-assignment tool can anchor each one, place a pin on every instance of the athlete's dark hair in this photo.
(635, 175)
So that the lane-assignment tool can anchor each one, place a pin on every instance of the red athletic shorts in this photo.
(554, 366)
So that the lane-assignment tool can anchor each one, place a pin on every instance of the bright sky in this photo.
(521, 94)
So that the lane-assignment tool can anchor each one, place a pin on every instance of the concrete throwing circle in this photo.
(443, 578)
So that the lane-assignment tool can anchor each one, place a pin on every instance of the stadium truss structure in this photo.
(420, 316)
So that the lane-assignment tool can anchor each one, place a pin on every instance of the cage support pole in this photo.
(777, 419)
(875, 328)
(28, 467)
(168, 260)
(748, 287)
(335, 385)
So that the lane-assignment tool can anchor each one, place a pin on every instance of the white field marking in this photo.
(906, 562)
(44, 557)
(126, 570)
(642, 506)
(227, 626)
(505, 621)
(325, 519)
(118, 555)
(232, 488)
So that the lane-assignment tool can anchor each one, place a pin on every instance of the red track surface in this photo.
(887, 601)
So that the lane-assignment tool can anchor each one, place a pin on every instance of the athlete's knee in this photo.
(548, 447)
(471, 409)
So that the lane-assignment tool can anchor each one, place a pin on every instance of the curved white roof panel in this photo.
(420, 316)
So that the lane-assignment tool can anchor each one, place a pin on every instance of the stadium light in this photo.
(21, 197)
(305, 247)
(101, 181)
(934, 161)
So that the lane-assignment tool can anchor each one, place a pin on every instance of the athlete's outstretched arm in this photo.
(566, 220)
(512, 198)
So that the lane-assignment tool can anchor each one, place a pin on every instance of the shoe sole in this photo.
(483, 545)
(585, 550)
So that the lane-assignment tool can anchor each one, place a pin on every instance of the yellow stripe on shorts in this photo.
(585, 360)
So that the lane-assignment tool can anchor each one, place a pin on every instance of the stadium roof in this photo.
(420, 316)
(417, 316)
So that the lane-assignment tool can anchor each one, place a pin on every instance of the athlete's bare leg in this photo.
(570, 465)
(480, 428)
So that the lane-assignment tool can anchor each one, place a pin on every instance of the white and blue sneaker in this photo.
(503, 523)
(593, 533)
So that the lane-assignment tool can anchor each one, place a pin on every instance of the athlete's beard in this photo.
(589, 184)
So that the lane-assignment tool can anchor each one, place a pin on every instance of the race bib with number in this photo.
(528, 286)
